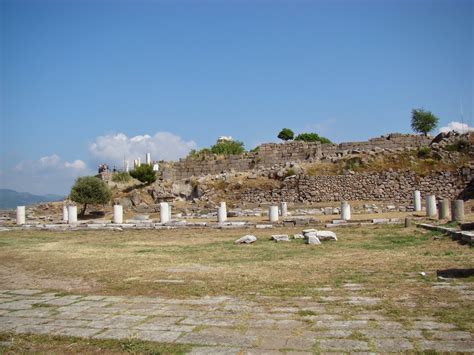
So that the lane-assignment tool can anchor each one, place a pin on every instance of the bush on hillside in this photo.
(228, 148)
(121, 176)
(144, 173)
(311, 137)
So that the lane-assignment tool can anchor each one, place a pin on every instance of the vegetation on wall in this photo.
(312, 137)
(221, 148)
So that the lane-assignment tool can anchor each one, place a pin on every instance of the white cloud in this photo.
(457, 126)
(76, 164)
(114, 148)
(52, 160)
(48, 174)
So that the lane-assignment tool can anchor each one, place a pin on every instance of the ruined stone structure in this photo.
(270, 154)
(395, 186)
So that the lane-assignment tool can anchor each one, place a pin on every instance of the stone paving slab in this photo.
(227, 325)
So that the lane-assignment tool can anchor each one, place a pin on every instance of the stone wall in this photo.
(271, 154)
(396, 187)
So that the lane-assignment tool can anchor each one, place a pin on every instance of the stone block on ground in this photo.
(280, 238)
(247, 239)
(326, 235)
(313, 240)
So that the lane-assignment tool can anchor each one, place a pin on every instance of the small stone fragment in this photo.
(246, 239)
(312, 239)
(326, 235)
(280, 238)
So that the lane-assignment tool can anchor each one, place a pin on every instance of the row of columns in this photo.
(273, 211)
(457, 209)
(441, 210)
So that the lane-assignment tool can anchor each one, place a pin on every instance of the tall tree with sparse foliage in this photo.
(144, 173)
(423, 121)
(286, 134)
(89, 190)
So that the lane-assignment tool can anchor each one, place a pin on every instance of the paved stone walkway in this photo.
(224, 325)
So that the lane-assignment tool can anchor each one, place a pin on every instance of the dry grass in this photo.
(383, 162)
(49, 344)
(186, 263)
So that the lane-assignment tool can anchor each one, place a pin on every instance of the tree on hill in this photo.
(90, 190)
(423, 121)
(228, 148)
(311, 137)
(144, 173)
(286, 134)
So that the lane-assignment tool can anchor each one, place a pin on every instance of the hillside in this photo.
(12, 198)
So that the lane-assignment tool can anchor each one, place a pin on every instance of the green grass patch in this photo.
(306, 312)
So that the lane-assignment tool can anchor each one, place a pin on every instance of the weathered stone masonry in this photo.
(394, 186)
(276, 154)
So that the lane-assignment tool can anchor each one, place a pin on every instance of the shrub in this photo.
(353, 163)
(424, 152)
(144, 173)
(311, 137)
(460, 145)
(290, 172)
(89, 190)
(199, 154)
(121, 176)
(286, 134)
(228, 148)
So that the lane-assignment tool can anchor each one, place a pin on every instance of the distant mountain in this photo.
(11, 198)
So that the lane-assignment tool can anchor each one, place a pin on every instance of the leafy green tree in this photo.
(423, 121)
(311, 137)
(286, 134)
(90, 190)
(228, 148)
(144, 173)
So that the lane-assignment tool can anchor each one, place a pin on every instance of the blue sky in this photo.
(80, 79)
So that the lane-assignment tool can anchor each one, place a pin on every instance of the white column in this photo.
(223, 206)
(139, 161)
(345, 210)
(273, 214)
(148, 159)
(72, 214)
(164, 212)
(284, 209)
(127, 166)
(169, 212)
(118, 214)
(221, 214)
(431, 210)
(20, 215)
(417, 200)
(65, 214)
